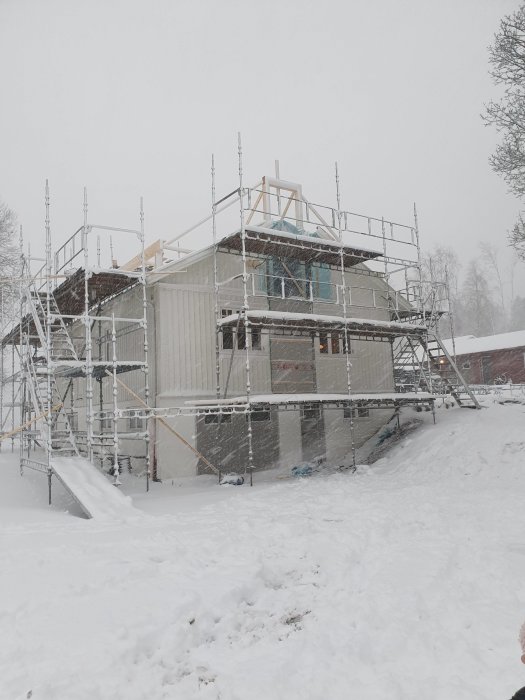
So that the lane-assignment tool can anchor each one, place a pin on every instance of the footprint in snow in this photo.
(514, 447)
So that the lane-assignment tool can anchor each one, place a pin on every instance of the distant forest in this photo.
(483, 292)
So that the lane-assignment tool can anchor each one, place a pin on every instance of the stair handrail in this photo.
(450, 360)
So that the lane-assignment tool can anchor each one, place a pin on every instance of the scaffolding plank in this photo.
(266, 241)
(97, 497)
(385, 399)
(306, 321)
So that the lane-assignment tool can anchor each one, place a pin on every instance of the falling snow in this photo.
(401, 580)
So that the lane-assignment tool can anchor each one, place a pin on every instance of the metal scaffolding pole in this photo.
(49, 397)
(115, 470)
(215, 282)
(345, 316)
(247, 327)
(146, 342)
(421, 300)
(88, 339)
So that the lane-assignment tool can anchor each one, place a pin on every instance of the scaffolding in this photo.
(276, 222)
(61, 350)
(65, 341)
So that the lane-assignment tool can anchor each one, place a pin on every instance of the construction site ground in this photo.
(403, 579)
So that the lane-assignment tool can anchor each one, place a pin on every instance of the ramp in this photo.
(97, 497)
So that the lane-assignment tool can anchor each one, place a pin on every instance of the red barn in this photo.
(493, 359)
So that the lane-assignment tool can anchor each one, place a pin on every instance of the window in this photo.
(227, 333)
(335, 344)
(105, 350)
(288, 278)
(106, 420)
(241, 338)
(217, 418)
(321, 282)
(259, 416)
(466, 365)
(310, 412)
(227, 339)
(256, 339)
(360, 412)
(136, 423)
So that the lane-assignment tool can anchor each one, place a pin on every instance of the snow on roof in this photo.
(469, 344)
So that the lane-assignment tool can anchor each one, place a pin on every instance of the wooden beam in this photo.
(167, 425)
(57, 407)
(149, 252)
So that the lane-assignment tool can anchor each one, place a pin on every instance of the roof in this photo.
(469, 344)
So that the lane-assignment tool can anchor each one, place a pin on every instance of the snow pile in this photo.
(403, 581)
(97, 497)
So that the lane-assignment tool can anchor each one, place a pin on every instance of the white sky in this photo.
(131, 97)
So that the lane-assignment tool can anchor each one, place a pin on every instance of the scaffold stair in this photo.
(418, 364)
(452, 378)
(41, 381)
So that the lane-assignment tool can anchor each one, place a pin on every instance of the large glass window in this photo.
(290, 278)
(321, 281)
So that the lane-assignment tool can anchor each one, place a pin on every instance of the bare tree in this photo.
(489, 256)
(507, 60)
(517, 314)
(478, 307)
(517, 238)
(440, 270)
(9, 260)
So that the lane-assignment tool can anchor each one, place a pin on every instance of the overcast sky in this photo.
(131, 97)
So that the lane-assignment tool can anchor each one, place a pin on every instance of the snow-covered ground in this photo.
(404, 580)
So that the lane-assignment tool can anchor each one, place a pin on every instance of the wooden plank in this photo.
(149, 252)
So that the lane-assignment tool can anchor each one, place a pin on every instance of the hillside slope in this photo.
(403, 581)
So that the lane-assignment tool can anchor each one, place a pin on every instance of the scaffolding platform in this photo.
(70, 297)
(261, 241)
(356, 327)
(263, 401)
(74, 369)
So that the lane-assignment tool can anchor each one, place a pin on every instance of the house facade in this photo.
(281, 363)
(273, 346)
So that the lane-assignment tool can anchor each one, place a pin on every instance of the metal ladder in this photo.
(38, 370)
(452, 379)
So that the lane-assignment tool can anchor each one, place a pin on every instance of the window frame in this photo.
(217, 418)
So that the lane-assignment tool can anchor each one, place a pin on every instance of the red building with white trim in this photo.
(493, 359)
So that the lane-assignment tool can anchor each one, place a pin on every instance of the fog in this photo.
(131, 97)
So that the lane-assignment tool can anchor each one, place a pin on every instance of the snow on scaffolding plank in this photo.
(379, 397)
(290, 317)
(97, 497)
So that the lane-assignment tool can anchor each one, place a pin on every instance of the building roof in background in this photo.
(469, 344)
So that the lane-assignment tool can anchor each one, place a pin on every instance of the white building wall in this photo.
(185, 351)
(290, 438)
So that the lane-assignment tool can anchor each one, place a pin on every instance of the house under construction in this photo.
(292, 332)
